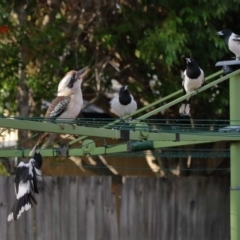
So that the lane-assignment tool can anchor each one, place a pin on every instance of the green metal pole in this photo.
(234, 85)
(150, 105)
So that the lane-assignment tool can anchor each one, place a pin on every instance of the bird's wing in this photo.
(58, 106)
(183, 81)
(24, 197)
(21, 179)
(236, 38)
(38, 159)
(116, 107)
(38, 182)
(203, 78)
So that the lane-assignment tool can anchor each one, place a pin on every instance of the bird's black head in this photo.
(225, 34)
(193, 71)
(190, 61)
(124, 95)
(38, 158)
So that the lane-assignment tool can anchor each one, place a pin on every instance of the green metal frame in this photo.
(138, 131)
(141, 137)
(234, 87)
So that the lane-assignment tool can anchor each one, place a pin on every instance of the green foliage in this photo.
(144, 39)
(3, 170)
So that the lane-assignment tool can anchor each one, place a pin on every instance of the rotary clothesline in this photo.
(140, 134)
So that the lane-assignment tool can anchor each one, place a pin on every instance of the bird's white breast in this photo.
(74, 106)
(123, 110)
(234, 46)
(191, 85)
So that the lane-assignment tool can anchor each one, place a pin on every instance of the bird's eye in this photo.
(72, 78)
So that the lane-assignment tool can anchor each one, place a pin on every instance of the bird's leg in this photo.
(74, 125)
(197, 90)
(122, 120)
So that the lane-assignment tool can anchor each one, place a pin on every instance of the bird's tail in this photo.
(42, 136)
(184, 110)
(21, 205)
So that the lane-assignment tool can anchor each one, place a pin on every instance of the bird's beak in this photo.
(126, 87)
(188, 60)
(82, 73)
(219, 33)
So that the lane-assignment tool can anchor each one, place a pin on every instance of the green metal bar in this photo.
(120, 148)
(186, 136)
(150, 105)
(135, 134)
(161, 144)
(72, 152)
(55, 128)
(205, 87)
(234, 88)
(169, 96)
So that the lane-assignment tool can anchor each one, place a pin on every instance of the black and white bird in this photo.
(123, 104)
(232, 40)
(28, 181)
(68, 103)
(193, 78)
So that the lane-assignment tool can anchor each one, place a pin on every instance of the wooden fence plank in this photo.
(151, 208)
(90, 210)
(21, 226)
(64, 209)
(110, 213)
(3, 206)
(11, 198)
(72, 208)
(82, 199)
(29, 225)
(48, 226)
(146, 193)
(139, 213)
(56, 211)
(123, 222)
(40, 217)
(99, 191)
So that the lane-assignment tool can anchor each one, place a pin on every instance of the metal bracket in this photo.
(88, 147)
(63, 150)
(143, 129)
(229, 66)
(140, 146)
(176, 128)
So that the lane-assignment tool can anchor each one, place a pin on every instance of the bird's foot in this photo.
(74, 125)
(122, 120)
(62, 126)
(197, 90)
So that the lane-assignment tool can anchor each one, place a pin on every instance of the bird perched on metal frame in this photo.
(193, 78)
(68, 103)
(232, 41)
(123, 104)
(28, 181)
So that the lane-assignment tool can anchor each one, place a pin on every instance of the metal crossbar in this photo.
(138, 131)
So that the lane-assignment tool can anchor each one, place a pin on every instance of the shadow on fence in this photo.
(149, 209)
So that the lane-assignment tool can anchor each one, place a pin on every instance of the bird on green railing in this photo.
(28, 181)
(193, 78)
(68, 103)
(232, 40)
(123, 104)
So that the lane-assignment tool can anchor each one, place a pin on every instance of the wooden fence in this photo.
(84, 208)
